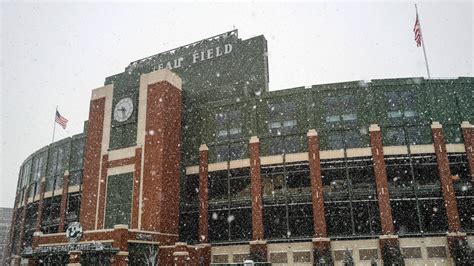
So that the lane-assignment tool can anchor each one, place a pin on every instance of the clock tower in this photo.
(136, 185)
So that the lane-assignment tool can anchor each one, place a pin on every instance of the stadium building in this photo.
(187, 158)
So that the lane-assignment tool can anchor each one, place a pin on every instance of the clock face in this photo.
(123, 109)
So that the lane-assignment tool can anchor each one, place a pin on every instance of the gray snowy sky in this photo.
(56, 53)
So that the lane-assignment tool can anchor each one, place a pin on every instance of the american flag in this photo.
(61, 120)
(417, 30)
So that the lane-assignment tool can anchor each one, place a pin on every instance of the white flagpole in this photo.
(54, 127)
(423, 43)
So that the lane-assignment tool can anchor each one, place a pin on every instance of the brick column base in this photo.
(258, 251)
(120, 259)
(204, 254)
(459, 249)
(390, 249)
(75, 257)
(322, 251)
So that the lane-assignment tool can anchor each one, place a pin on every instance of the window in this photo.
(301, 256)
(188, 227)
(282, 118)
(240, 257)
(341, 109)
(73, 207)
(411, 252)
(75, 178)
(240, 183)
(229, 151)
(400, 104)
(340, 139)
(275, 222)
(49, 185)
(218, 188)
(368, 254)
(279, 257)
(300, 220)
(393, 136)
(273, 180)
(218, 225)
(119, 199)
(220, 258)
(240, 221)
(436, 252)
(38, 166)
(342, 254)
(77, 153)
(228, 125)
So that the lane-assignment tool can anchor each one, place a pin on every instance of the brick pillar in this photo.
(92, 156)
(203, 194)
(160, 133)
(204, 254)
(444, 172)
(258, 246)
(389, 243)
(39, 217)
(34, 244)
(181, 255)
(381, 180)
(120, 238)
(468, 136)
(62, 217)
(321, 243)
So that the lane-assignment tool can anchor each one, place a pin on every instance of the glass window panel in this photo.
(335, 140)
(419, 135)
(188, 227)
(409, 113)
(49, 186)
(300, 220)
(75, 178)
(333, 118)
(234, 131)
(222, 133)
(237, 151)
(218, 188)
(433, 215)
(349, 117)
(394, 114)
(412, 252)
(218, 226)
(274, 222)
(118, 199)
(338, 218)
(277, 145)
(289, 123)
(453, 134)
(366, 218)
(241, 224)
(275, 125)
(405, 222)
(393, 136)
(240, 188)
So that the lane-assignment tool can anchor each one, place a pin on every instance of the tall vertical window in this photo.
(119, 199)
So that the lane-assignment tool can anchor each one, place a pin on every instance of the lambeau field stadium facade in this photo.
(187, 158)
